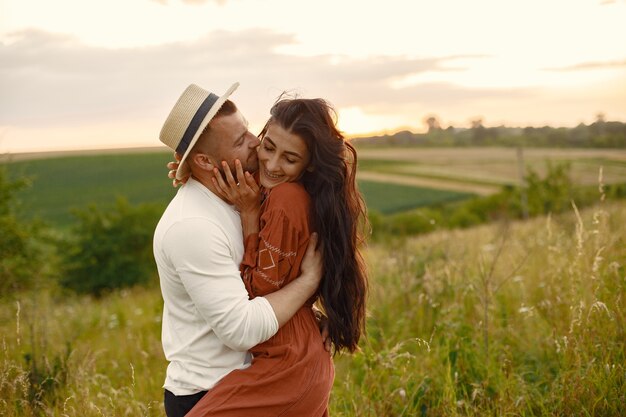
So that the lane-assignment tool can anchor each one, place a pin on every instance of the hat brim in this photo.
(184, 170)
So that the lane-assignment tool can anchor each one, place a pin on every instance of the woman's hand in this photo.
(244, 193)
(172, 166)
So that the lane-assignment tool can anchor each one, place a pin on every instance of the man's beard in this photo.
(251, 166)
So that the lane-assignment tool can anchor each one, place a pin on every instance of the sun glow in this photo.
(353, 121)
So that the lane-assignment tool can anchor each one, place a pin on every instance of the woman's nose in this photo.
(271, 164)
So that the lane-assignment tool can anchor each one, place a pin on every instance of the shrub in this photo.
(551, 193)
(414, 222)
(110, 248)
(20, 253)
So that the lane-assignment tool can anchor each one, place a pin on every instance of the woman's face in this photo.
(283, 157)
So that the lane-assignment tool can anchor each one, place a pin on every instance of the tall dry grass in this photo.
(524, 319)
(82, 357)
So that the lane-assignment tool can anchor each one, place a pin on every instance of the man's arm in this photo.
(201, 255)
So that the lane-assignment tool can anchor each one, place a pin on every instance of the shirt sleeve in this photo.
(271, 254)
(200, 253)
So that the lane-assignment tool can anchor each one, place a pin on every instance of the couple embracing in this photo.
(263, 228)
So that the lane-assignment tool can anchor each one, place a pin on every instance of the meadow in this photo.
(519, 319)
(491, 167)
(391, 179)
(63, 183)
(516, 318)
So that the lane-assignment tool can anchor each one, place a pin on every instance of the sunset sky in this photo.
(80, 74)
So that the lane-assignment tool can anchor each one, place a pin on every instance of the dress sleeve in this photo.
(270, 255)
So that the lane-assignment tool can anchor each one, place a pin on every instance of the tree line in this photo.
(599, 134)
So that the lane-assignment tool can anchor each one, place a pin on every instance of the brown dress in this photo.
(291, 374)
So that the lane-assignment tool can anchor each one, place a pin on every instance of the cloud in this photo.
(194, 2)
(591, 66)
(53, 79)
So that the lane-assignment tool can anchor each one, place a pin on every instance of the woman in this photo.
(307, 173)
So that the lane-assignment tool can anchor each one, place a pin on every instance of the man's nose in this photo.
(253, 141)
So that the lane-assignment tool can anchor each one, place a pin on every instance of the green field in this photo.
(392, 179)
(391, 198)
(525, 320)
(60, 184)
(492, 166)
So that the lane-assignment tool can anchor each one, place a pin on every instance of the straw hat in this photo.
(191, 114)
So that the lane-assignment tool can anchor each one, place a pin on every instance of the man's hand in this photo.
(312, 269)
(172, 167)
(322, 322)
(312, 266)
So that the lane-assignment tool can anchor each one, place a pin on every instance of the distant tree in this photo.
(432, 124)
(479, 133)
(598, 127)
(476, 123)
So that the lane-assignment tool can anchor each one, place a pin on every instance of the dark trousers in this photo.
(179, 405)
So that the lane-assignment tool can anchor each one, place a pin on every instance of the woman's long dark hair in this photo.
(338, 213)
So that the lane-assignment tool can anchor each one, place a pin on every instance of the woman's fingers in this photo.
(252, 183)
(244, 194)
(217, 175)
(246, 180)
(241, 179)
(229, 175)
(218, 189)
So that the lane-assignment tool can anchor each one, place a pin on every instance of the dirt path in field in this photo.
(428, 183)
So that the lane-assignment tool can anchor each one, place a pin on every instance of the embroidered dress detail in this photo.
(278, 251)
(270, 280)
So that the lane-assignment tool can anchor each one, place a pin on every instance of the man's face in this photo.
(234, 141)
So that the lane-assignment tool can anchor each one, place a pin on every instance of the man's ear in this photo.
(203, 161)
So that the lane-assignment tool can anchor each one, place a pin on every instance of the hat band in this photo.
(195, 123)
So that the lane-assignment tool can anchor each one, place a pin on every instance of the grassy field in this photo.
(73, 181)
(392, 179)
(491, 166)
(525, 319)
(60, 184)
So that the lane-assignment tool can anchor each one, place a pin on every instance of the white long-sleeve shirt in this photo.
(208, 321)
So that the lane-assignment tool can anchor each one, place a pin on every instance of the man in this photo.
(208, 321)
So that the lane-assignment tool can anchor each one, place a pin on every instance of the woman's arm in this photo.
(272, 254)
